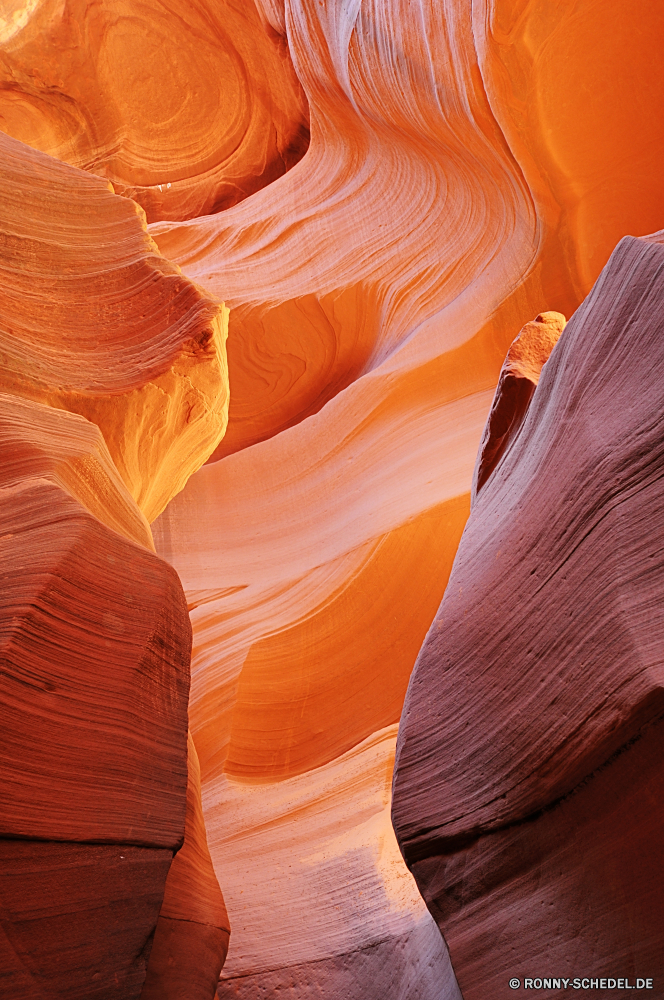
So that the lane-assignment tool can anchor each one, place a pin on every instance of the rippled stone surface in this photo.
(187, 107)
(526, 792)
(94, 320)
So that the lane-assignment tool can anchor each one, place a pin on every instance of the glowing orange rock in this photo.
(578, 94)
(446, 197)
(374, 291)
(518, 380)
(185, 107)
(94, 320)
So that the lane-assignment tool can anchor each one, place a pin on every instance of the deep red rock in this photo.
(94, 679)
(527, 797)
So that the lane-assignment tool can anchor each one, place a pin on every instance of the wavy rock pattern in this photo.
(470, 165)
(526, 778)
(150, 367)
(186, 107)
(374, 290)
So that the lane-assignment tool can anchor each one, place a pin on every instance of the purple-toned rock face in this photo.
(528, 787)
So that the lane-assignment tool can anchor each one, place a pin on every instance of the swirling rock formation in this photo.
(94, 645)
(470, 165)
(374, 290)
(81, 279)
(187, 107)
(191, 937)
(95, 638)
(527, 789)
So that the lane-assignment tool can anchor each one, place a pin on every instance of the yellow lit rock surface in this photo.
(471, 167)
(94, 320)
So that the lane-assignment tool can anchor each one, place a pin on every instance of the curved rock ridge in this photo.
(374, 291)
(406, 201)
(81, 279)
(299, 588)
(518, 380)
(191, 937)
(95, 647)
(186, 107)
(41, 443)
(525, 778)
(441, 164)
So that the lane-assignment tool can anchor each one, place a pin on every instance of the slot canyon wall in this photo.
(261, 266)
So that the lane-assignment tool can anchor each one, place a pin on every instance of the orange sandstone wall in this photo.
(111, 361)
(185, 107)
(470, 167)
(374, 290)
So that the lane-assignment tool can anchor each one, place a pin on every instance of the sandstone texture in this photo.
(94, 646)
(111, 360)
(373, 291)
(527, 794)
(383, 193)
(94, 320)
(186, 107)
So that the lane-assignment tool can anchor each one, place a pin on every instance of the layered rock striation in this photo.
(94, 320)
(95, 645)
(374, 290)
(186, 107)
(110, 357)
(470, 167)
(527, 790)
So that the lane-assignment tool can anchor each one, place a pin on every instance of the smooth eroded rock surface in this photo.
(185, 107)
(191, 937)
(525, 782)
(471, 166)
(374, 290)
(94, 320)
